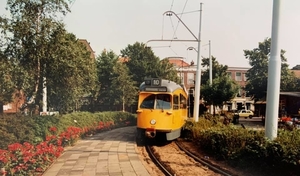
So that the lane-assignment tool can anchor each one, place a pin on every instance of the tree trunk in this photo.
(123, 103)
(1, 108)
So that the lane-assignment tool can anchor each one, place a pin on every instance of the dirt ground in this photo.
(183, 165)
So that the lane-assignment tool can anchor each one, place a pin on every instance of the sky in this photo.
(232, 26)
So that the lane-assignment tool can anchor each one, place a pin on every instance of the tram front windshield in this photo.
(157, 101)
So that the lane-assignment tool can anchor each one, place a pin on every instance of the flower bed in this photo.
(29, 159)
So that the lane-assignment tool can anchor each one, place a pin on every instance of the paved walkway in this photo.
(111, 153)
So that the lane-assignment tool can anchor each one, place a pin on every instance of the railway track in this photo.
(202, 161)
(168, 171)
(161, 166)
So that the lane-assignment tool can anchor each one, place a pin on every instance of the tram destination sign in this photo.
(156, 89)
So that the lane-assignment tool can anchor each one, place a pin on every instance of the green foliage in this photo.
(290, 142)
(125, 90)
(257, 76)
(218, 70)
(14, 128)
(37, 46)
(72, 73)
(7, 85)
(144, 64)
(167, 71)
(245, 146)
(20, 129)
(41, 125)
(222, 89)
(105, 71)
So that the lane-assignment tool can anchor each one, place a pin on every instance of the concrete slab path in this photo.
(110, 153)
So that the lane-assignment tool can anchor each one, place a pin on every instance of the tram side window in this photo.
(148, 102)
(182, 102)
(175, 102)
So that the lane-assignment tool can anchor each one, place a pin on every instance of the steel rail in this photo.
(210, 166)
(157, 162)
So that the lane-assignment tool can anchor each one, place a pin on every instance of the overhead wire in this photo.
(180, 18)
(172, 5)
(172, 50)
(163, 25)
(187, 12)
(175, 29)
(72, 3)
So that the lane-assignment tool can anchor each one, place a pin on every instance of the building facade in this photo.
(241, 100)
(187, 73)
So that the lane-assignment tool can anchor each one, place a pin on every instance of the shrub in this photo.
(229, 142)
(31, 144)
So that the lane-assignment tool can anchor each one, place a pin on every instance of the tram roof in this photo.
(170, 85)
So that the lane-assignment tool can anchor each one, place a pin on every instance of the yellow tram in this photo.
(162, 109)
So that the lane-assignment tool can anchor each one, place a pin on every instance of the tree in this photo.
(7, 87)
(71, 72)
(125, 89)
(257, 76)
(218, 70)
(105, 71)
(222, 89)
(41, 48)
(143, 63)
(30, 27)
(167, 71)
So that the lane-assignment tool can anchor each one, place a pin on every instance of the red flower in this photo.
(53, 129)
(14, 147)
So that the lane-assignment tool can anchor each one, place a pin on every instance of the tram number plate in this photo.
(156, 82)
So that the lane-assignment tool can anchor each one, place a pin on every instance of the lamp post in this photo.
(210, 66)
(274, 68)
(198, 74)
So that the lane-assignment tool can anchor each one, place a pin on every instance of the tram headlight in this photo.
(152, 122)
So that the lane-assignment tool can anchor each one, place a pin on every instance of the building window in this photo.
(181, 77)
(229, 75)
(238, 76)
(191, 78)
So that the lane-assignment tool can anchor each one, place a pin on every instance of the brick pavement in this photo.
(111, 153)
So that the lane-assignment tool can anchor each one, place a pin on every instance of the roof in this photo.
(178, 61)
(171, 86)
(88, 47)
(297, 73)
(123, 59)
(238, 68)
(261, 102)
(292, 94)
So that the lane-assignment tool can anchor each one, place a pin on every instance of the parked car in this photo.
(245, 113)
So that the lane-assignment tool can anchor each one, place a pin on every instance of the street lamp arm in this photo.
(192, 48)
(168, 12)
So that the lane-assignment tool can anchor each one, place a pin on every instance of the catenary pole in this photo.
(210, 74)
(274, 73)
(198, 74)
(210, 64)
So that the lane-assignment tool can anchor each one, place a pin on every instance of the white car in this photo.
(245, 113)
